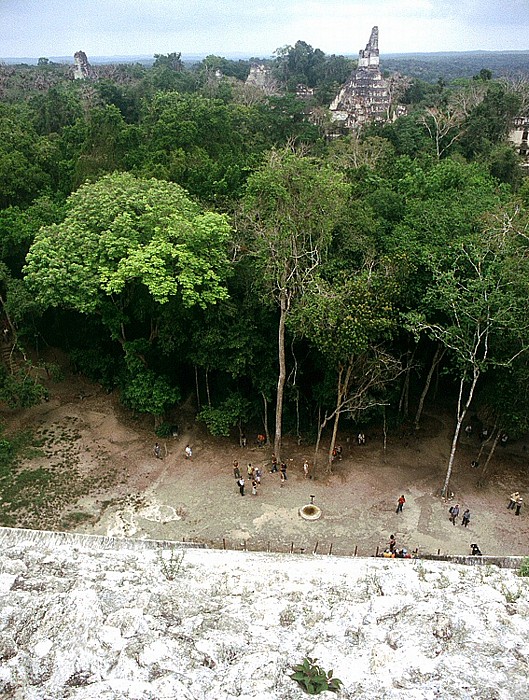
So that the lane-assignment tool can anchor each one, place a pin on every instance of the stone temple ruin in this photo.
(260, 76)
(82, 69)
(366, 96)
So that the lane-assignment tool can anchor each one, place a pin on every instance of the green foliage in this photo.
(524, 567)
(21, 389)
(171, 565)
(163, 430)
(144, 391)
(313, 679)
(121, 232)
(219, 420)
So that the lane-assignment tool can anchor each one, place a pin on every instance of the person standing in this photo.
(512, 500)
(240, 484)
(274, 464)
(400, 504)
(157, 450)
(189, 452)
(466, 518)
(254, 488)
(236, 470)
(283, 469)
(454, 513)
(306, 468)
(257, 476)
(519, 504)
(392, 544)
(249, 470)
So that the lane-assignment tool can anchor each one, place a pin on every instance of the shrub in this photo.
(313, 679)
(524, 567)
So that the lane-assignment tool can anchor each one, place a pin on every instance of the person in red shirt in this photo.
(400, 504)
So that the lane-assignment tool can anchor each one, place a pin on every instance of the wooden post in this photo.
(330, 549)
(245, 549)
(291, 547)
(268, 546)
(223, 543)
(356, 550)
(438, 552)
(376, 553)
(315, 547)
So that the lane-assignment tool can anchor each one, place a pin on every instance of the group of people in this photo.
(394, 552)
(253, 474)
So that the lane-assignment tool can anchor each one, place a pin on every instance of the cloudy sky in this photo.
(33, 28)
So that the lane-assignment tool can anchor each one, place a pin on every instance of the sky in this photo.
(47, 28)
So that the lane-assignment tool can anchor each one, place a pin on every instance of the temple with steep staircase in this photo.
(366, 95)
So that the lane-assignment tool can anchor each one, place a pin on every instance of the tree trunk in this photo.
(265, 418)
(282, 374)
(484, 444)
(439, 352)
(405, 393)
(206, 376)
(197, 390)
(321, 428)
(481, 480)
(461, 413)
(384, 436)
(341, 391)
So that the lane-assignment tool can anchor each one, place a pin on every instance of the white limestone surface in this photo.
(84, 621)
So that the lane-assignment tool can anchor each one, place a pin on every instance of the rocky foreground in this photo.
(90, 618)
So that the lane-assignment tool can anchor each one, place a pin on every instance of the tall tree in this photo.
(126, 248)
(346, 321)
(292, 205)
(478, 308)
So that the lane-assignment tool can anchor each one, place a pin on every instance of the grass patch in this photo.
(40, 476)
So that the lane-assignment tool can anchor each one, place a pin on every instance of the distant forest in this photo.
(181, 234)
(450, 66)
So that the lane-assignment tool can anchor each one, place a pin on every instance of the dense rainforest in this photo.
(178, 232)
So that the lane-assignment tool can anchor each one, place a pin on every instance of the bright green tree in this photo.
(126, 248)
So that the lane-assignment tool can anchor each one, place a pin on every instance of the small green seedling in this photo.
(313, 679)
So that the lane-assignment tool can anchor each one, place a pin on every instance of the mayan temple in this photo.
(366, 95)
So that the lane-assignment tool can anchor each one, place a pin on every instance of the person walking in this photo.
(466, 518)
(512, 500)
(254, 488)
(189, 452)
(274, 464)
(305, 468)
(257, 476)
(392, 544)
(283, 469)
(249, 470)
(236, 470)
(400, 504)
(240, 484)
(454, 513)
(519, 504)
(157, 450)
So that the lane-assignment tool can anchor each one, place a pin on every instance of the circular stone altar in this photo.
(310, 512)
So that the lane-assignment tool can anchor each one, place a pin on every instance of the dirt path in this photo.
(127, 491)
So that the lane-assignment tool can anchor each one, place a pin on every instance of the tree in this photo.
(173, 61)
(346, 321)
(480, 296)
(127, 248)
(291, 205)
